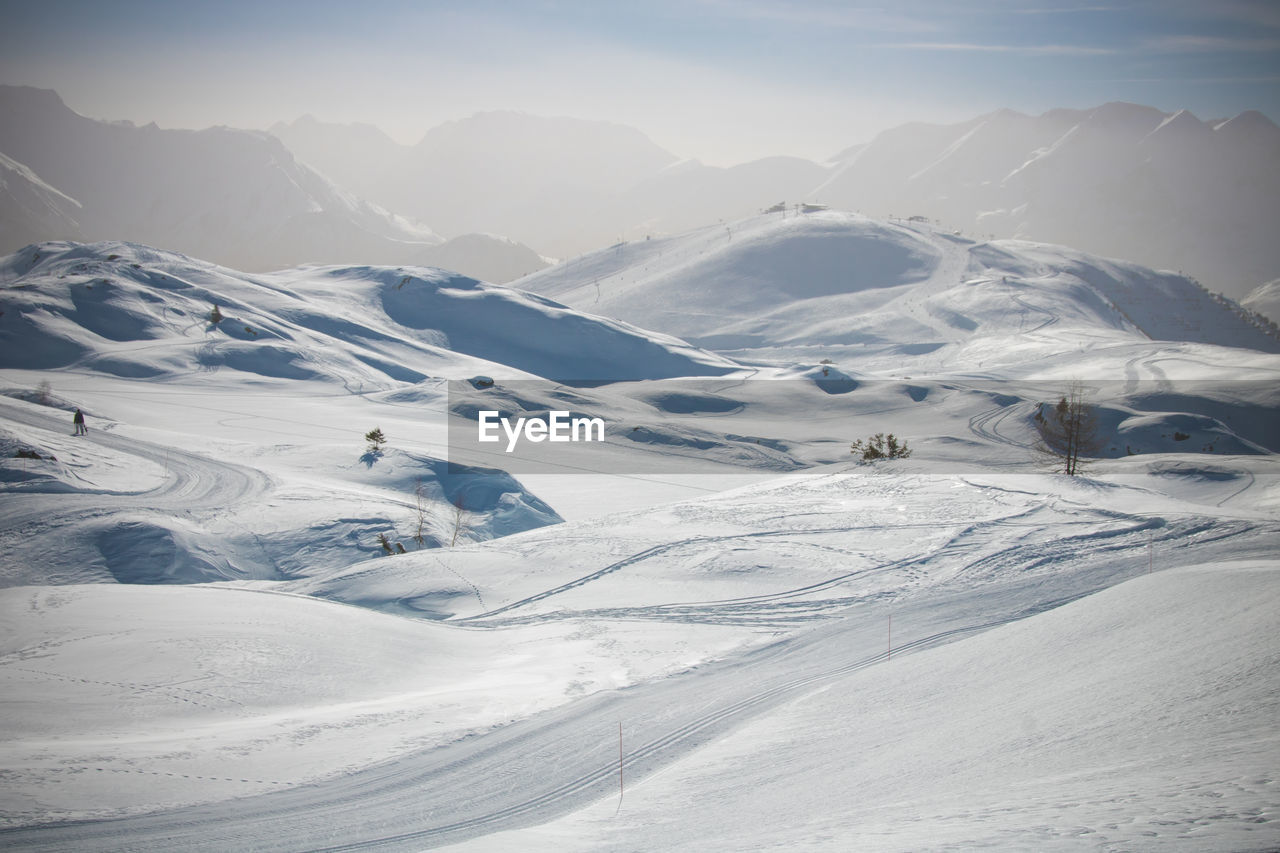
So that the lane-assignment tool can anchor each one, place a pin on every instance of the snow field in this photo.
(1140, 717)
(168, 696)
(265, 711)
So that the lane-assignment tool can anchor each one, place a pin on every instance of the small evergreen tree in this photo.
(215, 316)
(376, 439)
(880, 446)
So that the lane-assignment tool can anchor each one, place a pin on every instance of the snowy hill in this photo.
(847, 287)
(143, 317)
(128, 310)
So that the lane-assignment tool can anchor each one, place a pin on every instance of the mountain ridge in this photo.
(236, 196)
(1162, 189)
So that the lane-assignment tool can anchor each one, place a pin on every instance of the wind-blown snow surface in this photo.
(309, 693)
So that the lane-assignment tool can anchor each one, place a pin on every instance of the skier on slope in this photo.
(78, 420)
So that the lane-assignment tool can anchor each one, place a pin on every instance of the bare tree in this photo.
(1069, 429)
(420, 499)
(460, 517)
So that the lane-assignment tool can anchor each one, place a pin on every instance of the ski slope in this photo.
(1016, 566)
(205, 647)
(970, 746)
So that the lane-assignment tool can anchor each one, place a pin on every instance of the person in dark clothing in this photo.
(78, 420)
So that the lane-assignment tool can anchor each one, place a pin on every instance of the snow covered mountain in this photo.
(30, 209)
(349, 154)
(239, 197)
(217, 192)
(1265, 300)
(1121, 180)
(839, 285)
(1166, 190)
(533, 178)
(212, 641)
(561, 185)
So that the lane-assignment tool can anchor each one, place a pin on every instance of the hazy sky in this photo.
(721, 80)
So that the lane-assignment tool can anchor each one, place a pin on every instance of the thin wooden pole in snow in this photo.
(620, 789)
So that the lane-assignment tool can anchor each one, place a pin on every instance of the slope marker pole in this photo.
(620, 788)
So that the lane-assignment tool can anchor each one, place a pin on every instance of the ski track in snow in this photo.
(194, 484)
(426, 800)
(566, 758)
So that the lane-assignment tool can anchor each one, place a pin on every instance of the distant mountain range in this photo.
(235, 196)
(1163, 189)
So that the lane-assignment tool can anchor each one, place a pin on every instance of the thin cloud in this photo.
(1026, 50)
(1251, 12)
(1063, 10)
(1210, 44)
(807, 15)
(1214, 81)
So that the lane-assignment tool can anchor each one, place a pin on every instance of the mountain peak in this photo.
(1127, 117)
(1182, 122)
(28, 103)
(1249, 121)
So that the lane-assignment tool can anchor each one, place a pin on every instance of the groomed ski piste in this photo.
(205, 647)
